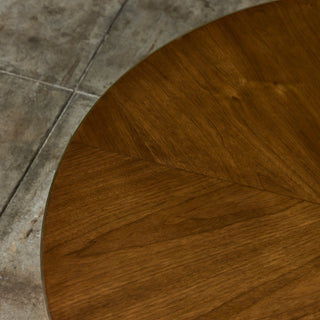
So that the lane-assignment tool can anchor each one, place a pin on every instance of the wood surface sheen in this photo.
(192, 190)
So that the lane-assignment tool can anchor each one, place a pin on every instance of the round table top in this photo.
(192, 188)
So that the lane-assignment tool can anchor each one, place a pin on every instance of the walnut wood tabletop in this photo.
(192, 188)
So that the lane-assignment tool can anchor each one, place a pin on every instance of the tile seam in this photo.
(23, 77)
(85, 71)
(48, 84)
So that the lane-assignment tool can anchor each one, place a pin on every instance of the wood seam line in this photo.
(191, 172)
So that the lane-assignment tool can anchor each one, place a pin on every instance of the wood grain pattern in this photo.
(191, 190)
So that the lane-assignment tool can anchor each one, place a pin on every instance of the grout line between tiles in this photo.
(100, 44)
(87, 94)
(35, 80)
(56, 86)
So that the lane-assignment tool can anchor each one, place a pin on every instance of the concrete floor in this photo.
(56, 58)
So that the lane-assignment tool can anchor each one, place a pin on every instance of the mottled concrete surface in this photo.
(52, 40)
(53, 55)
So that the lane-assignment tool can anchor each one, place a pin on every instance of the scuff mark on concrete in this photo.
(13, 247)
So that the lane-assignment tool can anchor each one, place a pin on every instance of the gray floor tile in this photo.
(146, 25)
(52, 40)
(21, 293)
(27, 110)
